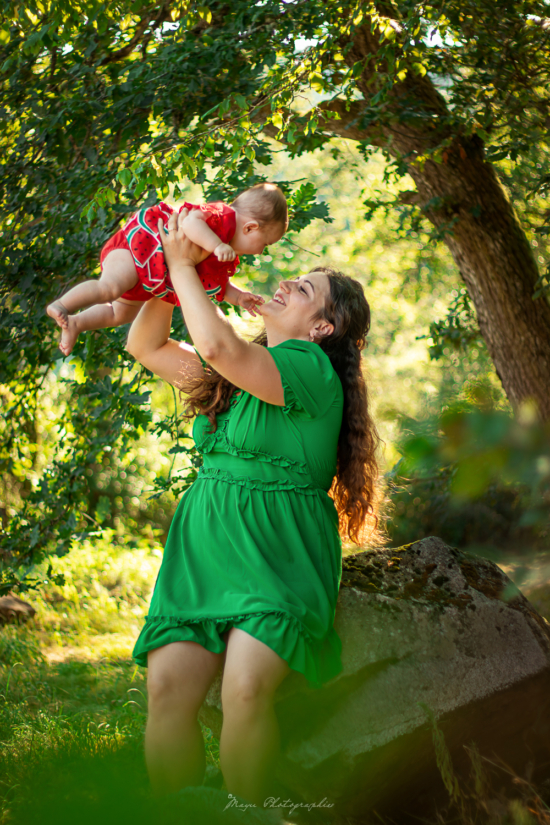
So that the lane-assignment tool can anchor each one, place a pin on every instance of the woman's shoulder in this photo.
(298, 344)
(309, 380)
(308, 350)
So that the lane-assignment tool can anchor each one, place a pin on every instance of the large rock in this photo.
(14, 609)
(422, 626)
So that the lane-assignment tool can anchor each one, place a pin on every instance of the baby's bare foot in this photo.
(57, 311)
(69, 335)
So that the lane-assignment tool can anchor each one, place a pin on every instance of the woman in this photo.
(252, 564)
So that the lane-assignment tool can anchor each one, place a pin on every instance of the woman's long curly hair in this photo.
(355, 485)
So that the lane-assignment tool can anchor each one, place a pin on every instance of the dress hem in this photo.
(291, 641)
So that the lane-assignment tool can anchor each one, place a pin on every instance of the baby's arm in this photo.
(198, 231)
(238, 297)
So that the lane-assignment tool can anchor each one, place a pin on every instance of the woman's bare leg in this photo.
(179, 675)
(250, 740)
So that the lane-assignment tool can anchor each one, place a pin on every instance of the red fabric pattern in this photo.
(140, 236)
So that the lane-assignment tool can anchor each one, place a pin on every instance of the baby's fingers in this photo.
(181, 216)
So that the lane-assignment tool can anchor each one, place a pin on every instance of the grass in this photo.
(72, 701)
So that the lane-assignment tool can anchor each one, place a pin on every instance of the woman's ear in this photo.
(322, 329)
(250, 226)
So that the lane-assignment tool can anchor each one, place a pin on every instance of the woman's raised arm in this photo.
(249, 366)
(150, 344)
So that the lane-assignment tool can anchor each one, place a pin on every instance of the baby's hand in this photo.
(249, 301)
(224, 252)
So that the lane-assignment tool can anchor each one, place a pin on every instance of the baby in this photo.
(133, 269)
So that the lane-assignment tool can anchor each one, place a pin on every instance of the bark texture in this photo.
(463, 195)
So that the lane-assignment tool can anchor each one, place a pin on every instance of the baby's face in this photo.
(252, 239)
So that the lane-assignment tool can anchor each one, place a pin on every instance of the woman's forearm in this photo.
(244, 363)
(150, 343)
(208, 327)
(151, 328)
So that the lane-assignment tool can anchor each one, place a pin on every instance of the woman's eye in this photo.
(303, 289)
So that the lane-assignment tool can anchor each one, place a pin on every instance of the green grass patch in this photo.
(73, 704)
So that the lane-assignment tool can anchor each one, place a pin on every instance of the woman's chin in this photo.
(267, 308)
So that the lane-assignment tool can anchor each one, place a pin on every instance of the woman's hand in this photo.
(249, 366)
(176, 247)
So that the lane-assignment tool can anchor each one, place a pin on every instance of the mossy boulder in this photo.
(427, 631)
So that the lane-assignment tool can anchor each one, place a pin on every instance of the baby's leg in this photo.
(97, 317)
(118, 275)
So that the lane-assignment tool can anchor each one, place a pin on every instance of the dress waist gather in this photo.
(258, 473)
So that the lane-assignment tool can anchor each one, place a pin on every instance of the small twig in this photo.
(403, 480)
(287, 240)
(91, 519)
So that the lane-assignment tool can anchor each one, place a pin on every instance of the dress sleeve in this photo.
(310, 383)
(201, 359)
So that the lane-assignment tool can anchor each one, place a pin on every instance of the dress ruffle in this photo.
(317, 660)
(219, 440)
(256, 483)
(291, 400)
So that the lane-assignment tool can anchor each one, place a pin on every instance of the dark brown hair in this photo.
(354, 488)
(266, 203)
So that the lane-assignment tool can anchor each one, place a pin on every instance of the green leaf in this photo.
(205, 13)
(125, 177)
(140, 189)
(80, 375)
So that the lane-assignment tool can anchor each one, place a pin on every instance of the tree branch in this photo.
(161, 17)
(346, 126)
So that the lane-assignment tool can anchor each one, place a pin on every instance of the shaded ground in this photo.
(71, 734)
(73, 703)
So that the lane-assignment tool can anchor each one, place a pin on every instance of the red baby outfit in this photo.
(140, 236)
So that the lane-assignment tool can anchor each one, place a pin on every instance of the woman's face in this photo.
(290, 311)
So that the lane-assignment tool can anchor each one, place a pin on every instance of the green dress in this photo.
(254, 542)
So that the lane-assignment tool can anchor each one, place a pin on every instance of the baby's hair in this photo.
(265, 202)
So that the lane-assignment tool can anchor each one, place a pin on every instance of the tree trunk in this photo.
(484, 235)
(497, 265)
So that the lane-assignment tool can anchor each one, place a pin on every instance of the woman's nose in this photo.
(285, 285)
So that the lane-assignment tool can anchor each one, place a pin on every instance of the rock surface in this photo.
(13, 609)
(421, 625)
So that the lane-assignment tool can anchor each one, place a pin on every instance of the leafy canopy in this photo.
(109, 105)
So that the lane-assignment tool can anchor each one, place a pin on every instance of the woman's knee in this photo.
(163, 692)
(246, 690)
(252, 673)
(179, 678)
